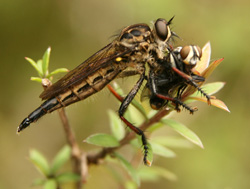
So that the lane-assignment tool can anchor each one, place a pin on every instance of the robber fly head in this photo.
(162, 30)
(162, 36)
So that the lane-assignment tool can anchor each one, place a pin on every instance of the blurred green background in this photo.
(77, 29)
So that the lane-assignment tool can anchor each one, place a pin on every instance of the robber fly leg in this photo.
(127, 100)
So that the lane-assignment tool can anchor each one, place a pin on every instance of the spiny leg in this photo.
(177, 102)
(127, 100)
(189, 79)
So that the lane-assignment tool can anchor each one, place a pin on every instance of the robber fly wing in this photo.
(99, 60)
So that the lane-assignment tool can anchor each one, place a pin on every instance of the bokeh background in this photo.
(77, 29)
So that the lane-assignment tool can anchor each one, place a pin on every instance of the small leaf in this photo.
(50, 184)
(131, 171)
(117, 128)
(118, 89)
(162, 150)
(37, 79)
(40, 162)
(155, 172)
(155, 127)
(140, 108)
(171, 141)
(34, 64)
(45, 64)
(103, 140)
(134, 116)
(184, 131)
(40, 67)
(214, 102)
(61, 158)
(68, 177)
(207, 72)
(210, 88)
(205, 59)
(56, 71)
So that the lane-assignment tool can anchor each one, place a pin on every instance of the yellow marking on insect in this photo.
(118, 59)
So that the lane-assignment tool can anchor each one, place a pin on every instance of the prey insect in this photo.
(127, 55)
(173, 76)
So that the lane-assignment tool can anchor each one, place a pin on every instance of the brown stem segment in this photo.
(76, 152)
(94, 158)
(77, 158)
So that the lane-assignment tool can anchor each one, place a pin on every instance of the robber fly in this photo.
(127, 55)
(169, 81)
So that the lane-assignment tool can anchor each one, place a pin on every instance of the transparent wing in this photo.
(99, 60)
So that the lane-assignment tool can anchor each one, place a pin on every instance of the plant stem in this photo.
(78, 158)
(76, 152)
(94, 158)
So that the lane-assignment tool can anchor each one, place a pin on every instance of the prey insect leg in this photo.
(189, 79)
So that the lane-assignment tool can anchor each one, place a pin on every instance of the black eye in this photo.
(161, 29)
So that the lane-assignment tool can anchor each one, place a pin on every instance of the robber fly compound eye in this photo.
(162, 29)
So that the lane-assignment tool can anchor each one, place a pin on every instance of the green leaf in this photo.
(116, 125)
(61, 158)
(154, 173)
(37, 79)
(118, 89)
(184, 131)
(56, 71)
(155, 127)
(162, 150)
(129, 168)
(103, 140)
(172, 141)
(50, 184)
(140, 108)
(45, 64)
(34, 64)
(40, 67)
(134, 116)
(40, 162)
(68, 177)
(210, 88)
